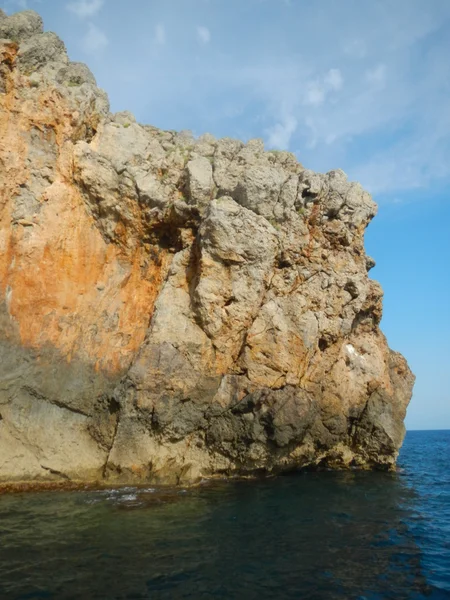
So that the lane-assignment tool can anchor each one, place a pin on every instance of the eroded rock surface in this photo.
(176, 308)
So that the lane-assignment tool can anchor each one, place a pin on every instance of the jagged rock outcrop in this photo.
(176, 308)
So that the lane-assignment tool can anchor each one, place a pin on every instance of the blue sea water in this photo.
(327, 535)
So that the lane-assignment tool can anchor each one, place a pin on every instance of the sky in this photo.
(361, 85)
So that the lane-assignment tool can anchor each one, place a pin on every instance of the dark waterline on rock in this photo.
(314, 535)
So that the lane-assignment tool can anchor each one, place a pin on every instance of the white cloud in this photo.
(160, 35)
(203, 34)
(315, 94)
(279, 136)
(85, 8)
(334, 80)
(318, 89)
(376, 76)
(95, 40)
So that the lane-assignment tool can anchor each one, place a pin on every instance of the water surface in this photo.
(314, 536)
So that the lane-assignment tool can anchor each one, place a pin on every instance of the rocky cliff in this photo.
(176, 308)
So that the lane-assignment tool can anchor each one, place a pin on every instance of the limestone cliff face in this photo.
(176, 308)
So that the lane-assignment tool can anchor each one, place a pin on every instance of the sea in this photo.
(312, 535)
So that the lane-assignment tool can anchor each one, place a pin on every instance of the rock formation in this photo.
(176, 308)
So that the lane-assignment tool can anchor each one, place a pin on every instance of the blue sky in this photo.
(362, 85)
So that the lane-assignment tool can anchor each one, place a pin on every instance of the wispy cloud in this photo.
(315, 94)
(376, 76)
(334, 80)
(85, 9)
(368, 93)
(95, 39)
(160, 35)
(279, 136)
(317, 90)
(411, 163)
(203, 34)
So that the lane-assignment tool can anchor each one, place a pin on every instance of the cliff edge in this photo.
(175, 308)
